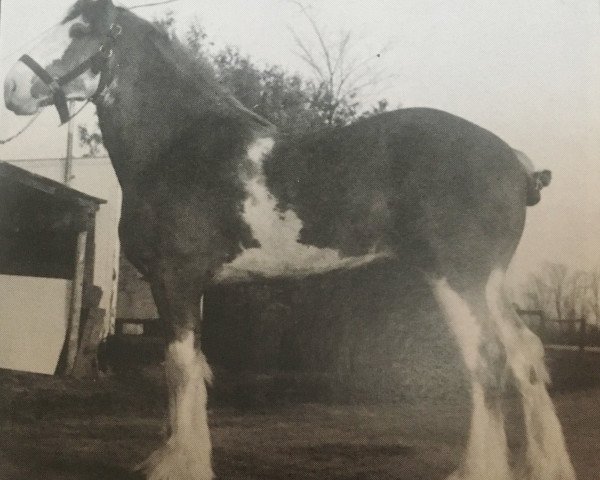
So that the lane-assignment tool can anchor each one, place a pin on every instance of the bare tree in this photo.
(559, 292)
(90, 140)
(593, 297)
(536, 293)
(340, 73)
(556, 274)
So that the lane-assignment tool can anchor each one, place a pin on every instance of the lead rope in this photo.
(34, 118)
(27, 125)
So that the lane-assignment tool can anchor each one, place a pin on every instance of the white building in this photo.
(35, 317)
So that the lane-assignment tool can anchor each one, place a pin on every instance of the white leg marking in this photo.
(486, 456)
(463, 323)
(487, 451)
(187, 453)
(547, 455)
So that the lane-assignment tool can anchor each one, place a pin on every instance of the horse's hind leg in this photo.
(186, 454)
(486, 455)
(547, 457)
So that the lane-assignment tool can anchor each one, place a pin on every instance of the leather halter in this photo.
(97, 63)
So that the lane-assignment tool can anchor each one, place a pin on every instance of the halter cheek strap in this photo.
(97, 63)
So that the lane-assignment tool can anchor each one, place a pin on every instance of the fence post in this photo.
(542, 317)
(582, 334)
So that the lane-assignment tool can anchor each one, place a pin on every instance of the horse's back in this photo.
(432, 187)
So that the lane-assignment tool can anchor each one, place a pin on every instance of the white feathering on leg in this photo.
(187, 453)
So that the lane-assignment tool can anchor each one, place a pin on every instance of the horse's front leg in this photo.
(186, 453)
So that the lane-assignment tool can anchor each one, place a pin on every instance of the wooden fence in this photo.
(569, 332)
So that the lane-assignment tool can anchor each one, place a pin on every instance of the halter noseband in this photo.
(97, 63)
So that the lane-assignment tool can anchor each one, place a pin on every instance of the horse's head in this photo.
(68, 63)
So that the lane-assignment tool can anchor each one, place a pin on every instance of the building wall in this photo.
(94, 176)
(34, 314)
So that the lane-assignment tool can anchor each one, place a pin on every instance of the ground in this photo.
(59, 429)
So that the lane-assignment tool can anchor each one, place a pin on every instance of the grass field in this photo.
(59, 429)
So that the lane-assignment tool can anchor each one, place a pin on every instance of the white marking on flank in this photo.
(280, 253)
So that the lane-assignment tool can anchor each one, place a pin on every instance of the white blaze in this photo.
(280, 253)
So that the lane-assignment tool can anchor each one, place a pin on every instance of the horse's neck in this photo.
(162, 103)
(135, 133)
(145, 110)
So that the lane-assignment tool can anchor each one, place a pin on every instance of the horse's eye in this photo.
(79, 30)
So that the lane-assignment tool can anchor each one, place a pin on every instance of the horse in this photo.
(212, 193)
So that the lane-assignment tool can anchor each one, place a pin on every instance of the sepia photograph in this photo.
(300, 239)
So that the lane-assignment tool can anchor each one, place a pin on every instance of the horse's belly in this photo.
(291, 261)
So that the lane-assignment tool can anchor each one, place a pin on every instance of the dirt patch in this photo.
(63, 429)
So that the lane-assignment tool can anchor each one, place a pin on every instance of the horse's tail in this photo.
(535, 182)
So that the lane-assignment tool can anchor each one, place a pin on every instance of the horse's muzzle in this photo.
(18, 97)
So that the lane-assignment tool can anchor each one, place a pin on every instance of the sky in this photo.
(527, 71)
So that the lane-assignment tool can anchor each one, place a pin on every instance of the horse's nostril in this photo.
(12, 86)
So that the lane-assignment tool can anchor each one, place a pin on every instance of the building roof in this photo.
(47, 185)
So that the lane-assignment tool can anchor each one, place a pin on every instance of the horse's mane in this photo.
(173, 52)
(193, 71)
